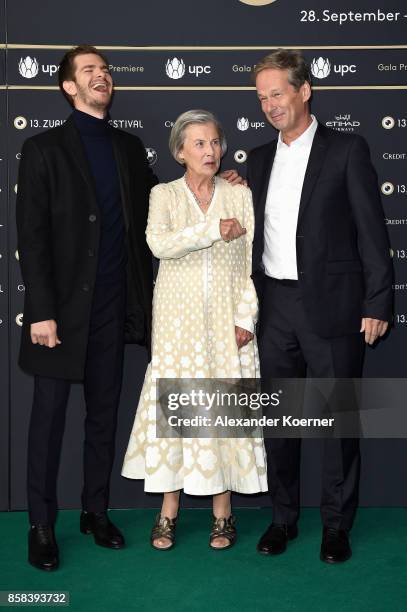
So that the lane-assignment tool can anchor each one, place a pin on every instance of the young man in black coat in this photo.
(82, 210)
(322, 268)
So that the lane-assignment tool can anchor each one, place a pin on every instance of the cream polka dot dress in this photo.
(203, 289)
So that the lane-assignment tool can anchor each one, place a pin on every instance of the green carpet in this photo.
(192, 577)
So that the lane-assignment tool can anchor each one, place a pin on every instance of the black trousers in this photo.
(102, 386)
(290, 349)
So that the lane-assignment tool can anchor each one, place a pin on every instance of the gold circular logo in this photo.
(257, 2)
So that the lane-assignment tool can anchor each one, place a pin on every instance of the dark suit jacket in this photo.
(58, 225)
(343, 253)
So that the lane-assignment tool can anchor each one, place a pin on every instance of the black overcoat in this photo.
(58, 227)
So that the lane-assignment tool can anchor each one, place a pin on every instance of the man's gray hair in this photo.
(287, 59)
(191, 117)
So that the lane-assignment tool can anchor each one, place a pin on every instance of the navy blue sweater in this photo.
(96, 138)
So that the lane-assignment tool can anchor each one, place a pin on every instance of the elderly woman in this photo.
(204, 312)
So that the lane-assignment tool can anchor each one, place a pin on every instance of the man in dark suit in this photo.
(322, 269)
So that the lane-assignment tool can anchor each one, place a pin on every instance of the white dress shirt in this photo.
(283, 203)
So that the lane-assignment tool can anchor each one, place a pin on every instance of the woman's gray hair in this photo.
(177, 136)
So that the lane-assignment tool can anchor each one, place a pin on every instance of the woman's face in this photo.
(201, 151)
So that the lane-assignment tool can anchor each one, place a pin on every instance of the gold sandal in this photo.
(163, 527)
(223, 528)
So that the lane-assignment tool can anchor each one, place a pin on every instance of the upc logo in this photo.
(175, 68)
(243, 124)
(320, 67)
(28, 67)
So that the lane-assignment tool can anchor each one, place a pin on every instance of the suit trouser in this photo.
(102, 386)
(290, 349)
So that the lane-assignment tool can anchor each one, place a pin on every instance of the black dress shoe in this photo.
(42, 548)
(274, 540)
(105, 533)
(335, 547)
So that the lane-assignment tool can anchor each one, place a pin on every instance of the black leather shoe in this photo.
(274, 540)
(42, 548)
(104, 532)
(335, 547)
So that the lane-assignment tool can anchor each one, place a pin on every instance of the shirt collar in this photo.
(305, 140)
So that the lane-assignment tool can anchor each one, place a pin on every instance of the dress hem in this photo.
(215, 491)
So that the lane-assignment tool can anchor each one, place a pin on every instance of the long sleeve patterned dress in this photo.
(203, 290)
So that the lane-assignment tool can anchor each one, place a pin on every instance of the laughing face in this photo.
(285, 107)
(92, 86)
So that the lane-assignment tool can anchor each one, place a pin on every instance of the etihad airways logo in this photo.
(343, 123)
(175, 68)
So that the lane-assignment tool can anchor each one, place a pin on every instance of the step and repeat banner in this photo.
(167, 57)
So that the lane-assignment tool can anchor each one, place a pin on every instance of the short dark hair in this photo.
(67, 65)
(287, 59)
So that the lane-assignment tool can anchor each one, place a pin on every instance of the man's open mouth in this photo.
(100, 87)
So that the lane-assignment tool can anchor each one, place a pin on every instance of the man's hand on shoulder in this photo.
(45, 333)
(373, 328)
(232, 177)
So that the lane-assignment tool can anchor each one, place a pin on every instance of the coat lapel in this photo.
(315, 162)
(261, 177)
(264, 180)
